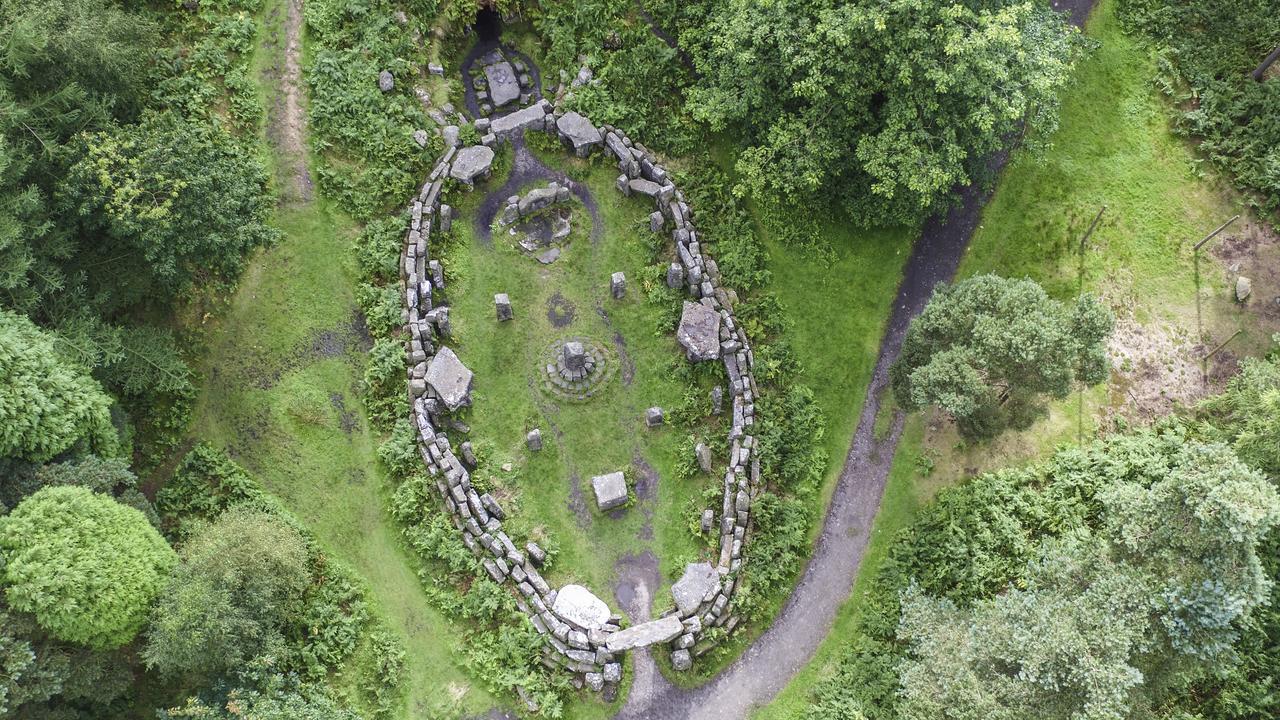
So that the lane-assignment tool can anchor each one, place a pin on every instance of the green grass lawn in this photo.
(549, 491)
(280, 395)
(1113, 147)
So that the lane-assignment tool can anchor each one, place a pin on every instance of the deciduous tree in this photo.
(986, 349)
(228, 599)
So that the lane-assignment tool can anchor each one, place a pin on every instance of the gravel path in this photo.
(770, 662)
(766, 667)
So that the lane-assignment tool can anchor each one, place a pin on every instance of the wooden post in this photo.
(1262, 69)
(1214, 234)
(1213, 352)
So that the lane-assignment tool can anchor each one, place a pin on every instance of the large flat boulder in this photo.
(581, 607)
(537, 199)
(611, 490)
(503, 86)
(449, 379)
(472, 162)
(654, 632)
(520, 119)
(579, 133)
(699, 332)
(699, 581)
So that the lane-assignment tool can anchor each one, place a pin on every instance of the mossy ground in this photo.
(1114, 147)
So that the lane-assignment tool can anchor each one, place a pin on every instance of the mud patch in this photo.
(1254, 252)
(347, 420)
(577, 503)
(1154, 369)
(560, 312)
(637, 581)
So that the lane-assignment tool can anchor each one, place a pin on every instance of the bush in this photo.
(86, 566)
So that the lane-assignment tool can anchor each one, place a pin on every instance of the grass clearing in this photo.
(553, 500)
(280, 394)
(1113, 147)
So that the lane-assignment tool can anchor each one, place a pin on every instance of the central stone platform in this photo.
(576, 368)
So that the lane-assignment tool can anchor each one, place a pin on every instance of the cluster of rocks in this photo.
(582, 634)
(576, 369)
(519, 207)
(708, 331)
(502, 81)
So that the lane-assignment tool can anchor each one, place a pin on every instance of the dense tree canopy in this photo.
(47, 403)
(86, 566)
(228, 599)
(985, 349)
(173, 202)
(1161, 590)
(886, 105)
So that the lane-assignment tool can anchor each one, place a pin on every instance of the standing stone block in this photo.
(446, 218)
(502, 305)
(579, 133)
(450, 379)
(699, 581)
(610, 490)
(699, 332)
(708, 517)
(653, 417)
(717, 400)
(536, 554)
(618, 285)
(575, 356)
(703, 453)
(534, 440)
(675, 276)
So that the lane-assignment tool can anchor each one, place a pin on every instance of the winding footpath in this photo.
(770, 662)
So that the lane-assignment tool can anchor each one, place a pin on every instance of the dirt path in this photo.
(287, 114)
(527, 169)
(766, 667)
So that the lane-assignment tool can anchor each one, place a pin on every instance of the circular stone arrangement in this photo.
(439, 384)
(576, 368)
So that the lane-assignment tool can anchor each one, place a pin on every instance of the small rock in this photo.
(613, 672)
(386, 83)
(681, 660)
(506, 467)
(450, 135)
(534, 440)
(618, 285)
(421, 138)
(653, 417)
(656, 221)
(703, 453)
(595, 681)
(468, 454)
(1244, 288)
(435, 69)
(502, 304)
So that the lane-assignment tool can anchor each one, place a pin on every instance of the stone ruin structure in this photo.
(582, 634)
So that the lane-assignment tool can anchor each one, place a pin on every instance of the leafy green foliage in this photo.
(47, 404)
(1208, 48)
(228, 598)
(887, 105)
(175, 203)
(1247, 414)
(984, 349)
(366, 136)
(1101, 621)
(281, 698)
(86, 566)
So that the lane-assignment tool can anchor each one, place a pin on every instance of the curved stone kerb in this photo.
(586, 648)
